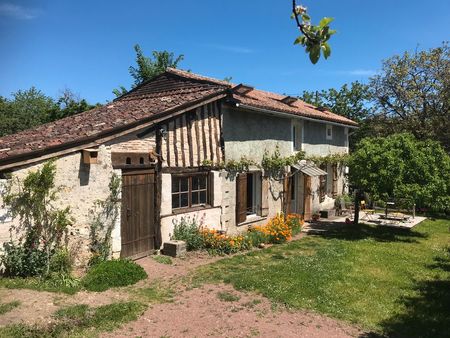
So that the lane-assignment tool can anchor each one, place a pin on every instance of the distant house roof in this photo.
(170, 92)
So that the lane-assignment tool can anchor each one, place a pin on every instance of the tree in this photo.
(412, 93)
(27, 109)
(30, 108)
(68, 104)
(400, 166)
(313, 38)
(148, 68)
(351, 101)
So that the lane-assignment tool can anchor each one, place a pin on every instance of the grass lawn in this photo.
(389, 281)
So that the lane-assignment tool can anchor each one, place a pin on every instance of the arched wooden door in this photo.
(138, 226)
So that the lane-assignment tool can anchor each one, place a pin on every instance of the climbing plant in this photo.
(42, 227)
(104, 215)
(274, 165)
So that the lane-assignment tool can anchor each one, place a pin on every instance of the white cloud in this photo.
(360, 72)
(17, 12)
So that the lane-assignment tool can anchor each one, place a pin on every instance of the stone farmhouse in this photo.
(164, 139)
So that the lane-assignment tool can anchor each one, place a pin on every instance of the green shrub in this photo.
(255, 238)
(188, 230)
(295, 223)
(61, 262)
(113, 273)
(19, 261)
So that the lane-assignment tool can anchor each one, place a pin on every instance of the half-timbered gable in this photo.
(193, 138)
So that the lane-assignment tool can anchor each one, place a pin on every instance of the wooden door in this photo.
(138, 226)
(241, 198)
(307, 198)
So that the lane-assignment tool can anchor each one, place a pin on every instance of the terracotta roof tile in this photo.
(168, 92)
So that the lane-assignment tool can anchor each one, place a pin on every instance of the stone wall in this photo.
(81, 186)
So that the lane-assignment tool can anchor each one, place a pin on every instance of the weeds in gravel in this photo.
(79, 321)
(6, 307)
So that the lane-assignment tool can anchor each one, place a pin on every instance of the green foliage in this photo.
(63, 284)
(79, 321)
(412, 95)
(226, 296)
(399, 166)
(163, 259)
(42, 226)
(153, 294)
(21, 261)
(340, 159)
(6, 307)
(313, 38)
(147, 67)
(113, 273)
(275, 165)
(104, 217)
(392, 281)
(187, 229)
(351, 101)
(30, 108)
(62, 262)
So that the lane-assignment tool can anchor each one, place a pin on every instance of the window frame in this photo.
(329, 127)
(190, 191)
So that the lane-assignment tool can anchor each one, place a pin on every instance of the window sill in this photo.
(252, 219)
(193, 209)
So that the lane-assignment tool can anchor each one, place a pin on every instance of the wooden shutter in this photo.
(211, 189)
(241, 198)
(334, 191)
(264, 196)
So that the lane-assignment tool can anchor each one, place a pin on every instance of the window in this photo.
(296, 136)
(329, 131)
(248, 196)
(189, 191)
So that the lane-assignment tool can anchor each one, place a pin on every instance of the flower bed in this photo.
(277, 230)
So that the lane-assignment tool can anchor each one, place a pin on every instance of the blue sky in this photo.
(87, 46)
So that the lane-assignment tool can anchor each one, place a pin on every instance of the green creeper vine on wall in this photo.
(104, 214)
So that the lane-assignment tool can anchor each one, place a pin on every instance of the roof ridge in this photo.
(195, 76)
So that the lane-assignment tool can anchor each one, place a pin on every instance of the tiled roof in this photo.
(143, 102)
(272, 101)
(170, 91)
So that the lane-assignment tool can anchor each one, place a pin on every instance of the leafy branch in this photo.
(313, 38)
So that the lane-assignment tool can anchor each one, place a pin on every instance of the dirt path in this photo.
(202, 312)
(208, 311)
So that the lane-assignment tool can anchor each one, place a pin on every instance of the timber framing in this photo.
(103, 137)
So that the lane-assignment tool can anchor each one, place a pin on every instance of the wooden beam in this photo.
(180, 170)
(175, 146)
(211, 132)
(167, 145)
(216, 131)
(205, 151)
(197, 134)
(182, 126)
(189, 117)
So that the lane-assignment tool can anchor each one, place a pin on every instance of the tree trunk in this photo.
(357, 201)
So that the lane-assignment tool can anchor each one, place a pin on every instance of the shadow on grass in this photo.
(427, 314)
(364, 231)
